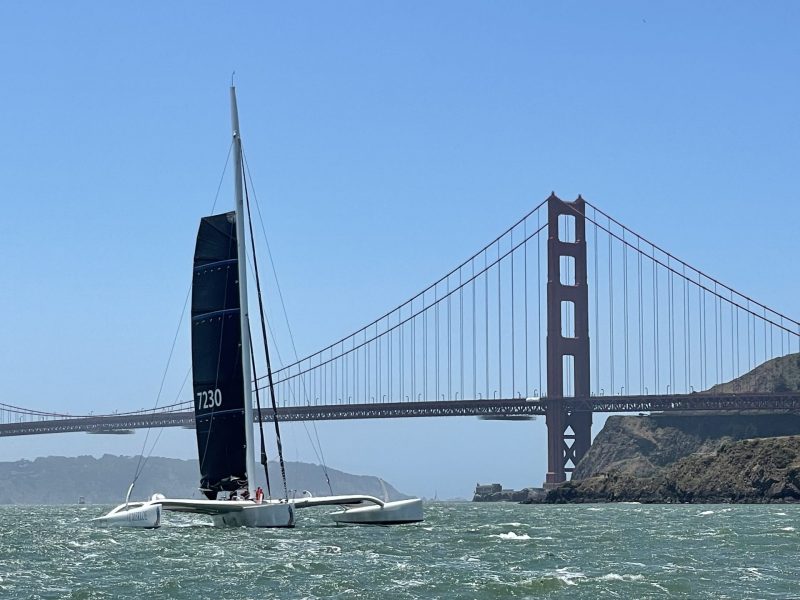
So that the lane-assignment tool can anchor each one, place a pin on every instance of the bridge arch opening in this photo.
(567, 270)
(566, 228)
(567, 319)
(568, 375)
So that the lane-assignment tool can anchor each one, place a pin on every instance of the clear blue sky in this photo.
(388, 141)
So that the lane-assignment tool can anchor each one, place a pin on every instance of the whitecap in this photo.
(618, 577)
(568, 577)
(705, 513)
(512, 536)
(787, 529)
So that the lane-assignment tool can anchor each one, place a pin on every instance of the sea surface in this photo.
(462, 550)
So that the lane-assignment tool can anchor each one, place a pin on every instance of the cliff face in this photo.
(641, 446)
(698, 457)
(754, 471)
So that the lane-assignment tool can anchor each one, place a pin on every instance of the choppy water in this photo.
(461, 551)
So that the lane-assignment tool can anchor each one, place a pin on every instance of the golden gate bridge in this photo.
(566, 313)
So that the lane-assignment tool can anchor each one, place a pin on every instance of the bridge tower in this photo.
(569, 433)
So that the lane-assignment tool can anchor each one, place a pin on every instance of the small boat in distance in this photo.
(222, 363)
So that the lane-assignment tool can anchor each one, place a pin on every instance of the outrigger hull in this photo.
(138, 516)
(391, 513)
(367, 510)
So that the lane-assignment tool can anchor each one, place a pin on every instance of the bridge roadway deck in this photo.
(497, 408)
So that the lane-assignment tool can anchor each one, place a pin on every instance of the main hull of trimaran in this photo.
(223, 513)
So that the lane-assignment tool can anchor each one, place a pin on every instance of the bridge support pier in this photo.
(569, 433)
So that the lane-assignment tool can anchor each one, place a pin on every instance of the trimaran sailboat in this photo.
(221, 365)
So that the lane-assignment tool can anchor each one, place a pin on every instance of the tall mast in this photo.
(244, 313)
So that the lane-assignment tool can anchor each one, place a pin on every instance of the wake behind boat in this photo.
(222, 368)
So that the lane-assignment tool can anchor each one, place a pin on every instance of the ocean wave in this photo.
(511, 535)
(618, 577)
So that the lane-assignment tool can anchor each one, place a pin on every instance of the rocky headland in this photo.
(743, 456)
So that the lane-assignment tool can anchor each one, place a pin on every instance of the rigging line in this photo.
(430, 287)
(285, 313)
(262, 320)
(706, 276)
(161, 429)
(222, 177)
(263, 447)
(139, 464)
(706, 287)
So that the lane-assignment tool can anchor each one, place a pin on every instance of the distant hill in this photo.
(105, 480)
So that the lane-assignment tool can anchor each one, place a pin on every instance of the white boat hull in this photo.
(223, 513)
(391, 513)
(257, 515)
(142, 516)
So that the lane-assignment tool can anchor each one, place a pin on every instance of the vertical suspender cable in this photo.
(596, 282)
(641, 314)
(525, 300)
(625, 308)
(539, 298)
(611, 303)
(513, 362)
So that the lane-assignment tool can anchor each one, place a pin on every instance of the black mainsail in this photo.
(217, 358)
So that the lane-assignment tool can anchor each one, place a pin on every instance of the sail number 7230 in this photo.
(209, 399)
